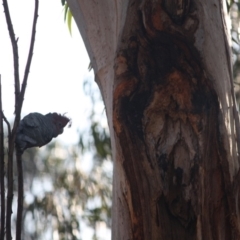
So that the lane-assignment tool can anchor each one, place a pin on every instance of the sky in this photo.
(59, 67)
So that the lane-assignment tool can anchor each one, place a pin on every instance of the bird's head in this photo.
(60, 121)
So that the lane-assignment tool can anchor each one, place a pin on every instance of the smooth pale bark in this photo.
(163, 67)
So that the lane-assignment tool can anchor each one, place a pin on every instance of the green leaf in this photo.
(68, 17)
(66, 7)
(69, 20)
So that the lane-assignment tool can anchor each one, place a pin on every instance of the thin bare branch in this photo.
(20, 196)
(15, 51)
(16, 123)
(10, 181)
(8, 124)
(2, 168)
(11, 137)
(29, 59)
(19, 97)
(10, 187)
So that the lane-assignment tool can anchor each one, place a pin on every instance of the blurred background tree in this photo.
(234, 12)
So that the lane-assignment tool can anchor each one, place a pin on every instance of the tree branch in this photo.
(11, 139)
(16, 123)
(10, 187)
(20, 196)
(10, 183)
(2, 168)
(15, 51)
(29, 60)
(8, 124)
(19, 96)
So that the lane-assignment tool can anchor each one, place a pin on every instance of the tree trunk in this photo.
(164, 70)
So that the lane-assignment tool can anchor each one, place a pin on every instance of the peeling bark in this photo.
(170, 108)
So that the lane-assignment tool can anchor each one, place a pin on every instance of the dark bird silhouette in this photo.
(36, 130)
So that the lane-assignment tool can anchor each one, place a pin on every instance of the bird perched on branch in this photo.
(36, 130)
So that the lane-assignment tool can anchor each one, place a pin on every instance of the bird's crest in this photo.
(62, 119)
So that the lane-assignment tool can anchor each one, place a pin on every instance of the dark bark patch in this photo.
(201, 101)
(179, 175)
(162, 162)
(176, 9)
(174, 228)
(132, 111)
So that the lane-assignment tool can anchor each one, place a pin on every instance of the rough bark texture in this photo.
(163, 69)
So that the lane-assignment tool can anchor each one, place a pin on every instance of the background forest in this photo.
(68, 187)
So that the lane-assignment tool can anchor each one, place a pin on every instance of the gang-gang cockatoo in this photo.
(36, 130)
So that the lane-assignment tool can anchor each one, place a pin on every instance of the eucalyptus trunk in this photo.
(164, 71)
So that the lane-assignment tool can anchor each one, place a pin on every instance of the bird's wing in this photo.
(30, 121)
(46, 142)
(29, 140)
